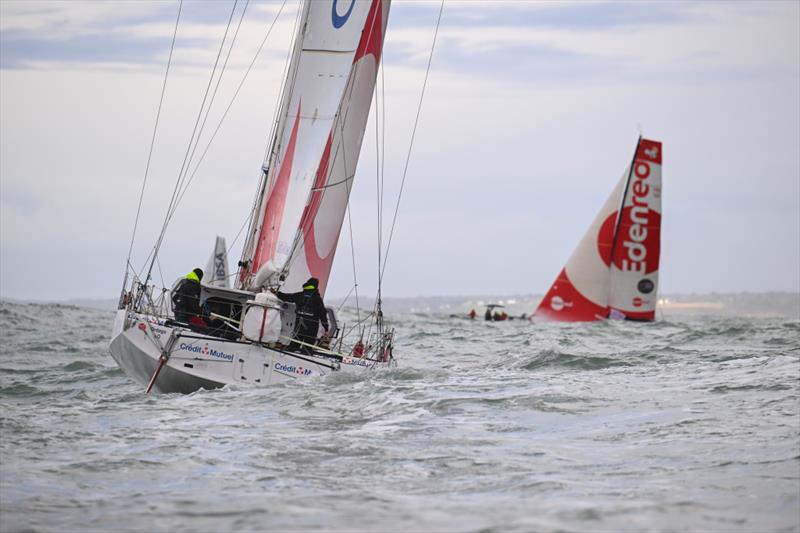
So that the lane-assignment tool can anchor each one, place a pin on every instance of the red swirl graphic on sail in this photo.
(273, 212)
(319, 267)
(371, 38)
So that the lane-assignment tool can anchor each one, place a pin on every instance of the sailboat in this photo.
(298, 213)
(613, 273)
(216, 272)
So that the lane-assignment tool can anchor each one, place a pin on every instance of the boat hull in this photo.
(197, 361)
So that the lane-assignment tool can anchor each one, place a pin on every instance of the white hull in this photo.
(197, 361)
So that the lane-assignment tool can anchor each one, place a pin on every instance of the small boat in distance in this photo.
(492, 312)
(613, 273)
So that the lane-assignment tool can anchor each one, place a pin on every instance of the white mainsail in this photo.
(216, 273)
(323, 114)
(614, 270)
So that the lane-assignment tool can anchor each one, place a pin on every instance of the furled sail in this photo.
(614, 270)
(323, 114)
(217, 269)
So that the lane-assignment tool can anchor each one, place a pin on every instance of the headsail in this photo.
(324, 214)
(217, 269)
(614, 270)
(323, 115)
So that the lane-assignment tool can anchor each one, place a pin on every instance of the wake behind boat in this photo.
(247, 334)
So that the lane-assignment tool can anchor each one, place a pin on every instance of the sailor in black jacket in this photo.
(310, 313)
(186, 296)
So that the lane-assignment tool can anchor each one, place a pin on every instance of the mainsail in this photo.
(614, 270)
(308, 176)
(216, 273)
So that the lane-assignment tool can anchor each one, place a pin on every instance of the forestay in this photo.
(323, 115)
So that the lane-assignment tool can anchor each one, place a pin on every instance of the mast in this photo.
(624, 195)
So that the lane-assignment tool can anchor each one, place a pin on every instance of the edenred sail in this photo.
(614, 270)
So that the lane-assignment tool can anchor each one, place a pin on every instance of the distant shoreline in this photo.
(729, 304)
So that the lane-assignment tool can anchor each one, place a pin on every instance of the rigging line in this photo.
(353, 254)
(413, 134)
(383, 136)
(379, 205)
(359, 324)
(195, 132)
(191, 140)
(160, 273)
(230, 104)
(347, 296)
(208, 110)
(378, 186)
(383, 163)
(330, 185)
(152, 143)
(239, 234)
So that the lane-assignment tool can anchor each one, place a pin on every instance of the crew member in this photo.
(310, 313)
(186, 297)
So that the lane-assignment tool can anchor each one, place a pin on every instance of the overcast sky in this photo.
(531, 114)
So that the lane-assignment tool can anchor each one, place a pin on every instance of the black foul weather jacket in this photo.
(186, 299)
(308, 304)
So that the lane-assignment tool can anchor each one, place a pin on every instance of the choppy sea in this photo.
(686, 424)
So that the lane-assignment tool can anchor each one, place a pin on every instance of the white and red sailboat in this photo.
(298, 213)
(613, 273)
